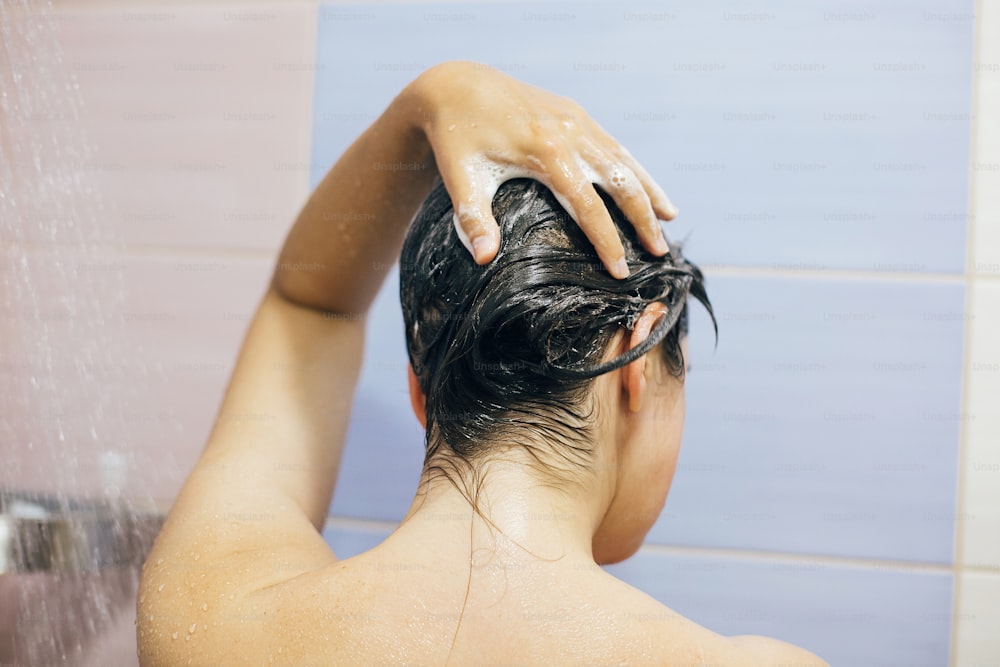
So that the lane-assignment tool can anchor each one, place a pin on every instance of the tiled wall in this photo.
(838, 482)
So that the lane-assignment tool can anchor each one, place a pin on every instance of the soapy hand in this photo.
(486, 128)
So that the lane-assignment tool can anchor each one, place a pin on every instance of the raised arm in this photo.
(248, 516)
(482, 127)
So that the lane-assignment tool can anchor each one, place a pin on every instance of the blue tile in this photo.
(825, 422)
(846, 615)
(384, 453)
(790, 135)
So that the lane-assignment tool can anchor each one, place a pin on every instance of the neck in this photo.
(518, 517)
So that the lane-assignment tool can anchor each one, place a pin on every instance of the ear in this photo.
(417, 398)
(634, 375)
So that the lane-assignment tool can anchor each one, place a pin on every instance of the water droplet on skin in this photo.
(175, 635)
(194, 626)
(159, 561)
(188, 638)
(150, 617)
(160, 587)
(204, 607)
(451, 128)
(195, 556)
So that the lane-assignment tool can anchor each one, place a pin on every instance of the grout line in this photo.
(806, 561)
(379, 525)
(979, 569)
(970, 288)
(139, 250)
(833, 274)
(205, 252)
(309, 122)
(271, 254)
(105, 5)
(960, 476)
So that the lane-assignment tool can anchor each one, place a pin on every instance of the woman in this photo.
(550, 387)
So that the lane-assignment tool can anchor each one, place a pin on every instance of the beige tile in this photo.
(198, 119)
(977, 637)
(985, 206)
(980, 520)
(91, 382)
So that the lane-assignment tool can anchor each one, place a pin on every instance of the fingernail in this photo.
(481, 247)
(462, 236)
(621, 268)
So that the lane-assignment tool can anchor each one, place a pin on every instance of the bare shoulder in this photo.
(765, 652)
(659, 633)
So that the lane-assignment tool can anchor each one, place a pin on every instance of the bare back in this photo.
(401, 604)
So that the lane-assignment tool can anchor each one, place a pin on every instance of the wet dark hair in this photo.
(506, 352)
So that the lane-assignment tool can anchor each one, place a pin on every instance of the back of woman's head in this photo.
(505, 353)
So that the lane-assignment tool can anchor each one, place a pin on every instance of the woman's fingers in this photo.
(624, 186)
(574, 191)
(472, 189)
(522, 131)
(664, 208)
(472, 200)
